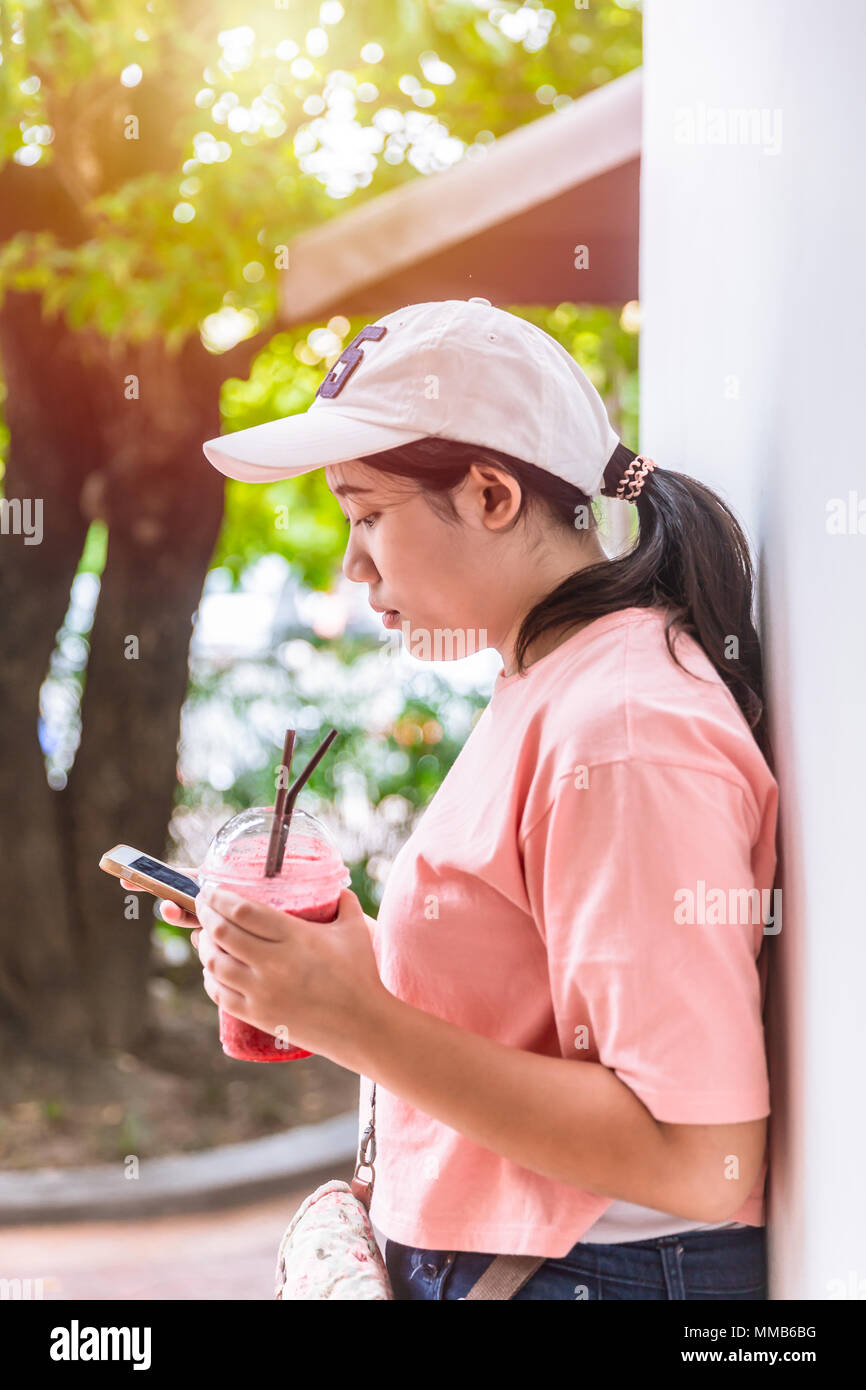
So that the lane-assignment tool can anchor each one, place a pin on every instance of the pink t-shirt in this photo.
(542, 900)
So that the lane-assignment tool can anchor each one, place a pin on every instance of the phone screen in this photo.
(155, 869)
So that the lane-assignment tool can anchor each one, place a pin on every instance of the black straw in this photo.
(292, 793)
(279, 804)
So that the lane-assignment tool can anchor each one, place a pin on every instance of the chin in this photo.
(441, 643)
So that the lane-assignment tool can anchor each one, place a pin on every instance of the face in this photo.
(468, 574)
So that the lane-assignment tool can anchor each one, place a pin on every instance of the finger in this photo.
(173, 913)
(236, 937)
(200, 944)
(221, 935)
(257, 919)
(209, 950)
(224, 995)
(226, 969)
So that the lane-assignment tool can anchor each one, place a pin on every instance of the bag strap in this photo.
(363, 1187)
(503, 1277)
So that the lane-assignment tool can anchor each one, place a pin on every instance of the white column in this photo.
(753, 376)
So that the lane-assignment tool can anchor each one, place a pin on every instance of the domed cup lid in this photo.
(238, 851)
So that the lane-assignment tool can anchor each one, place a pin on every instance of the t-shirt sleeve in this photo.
(669, 998)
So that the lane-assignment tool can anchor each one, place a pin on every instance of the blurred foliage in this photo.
(195, 147)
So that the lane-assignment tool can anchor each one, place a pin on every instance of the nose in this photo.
(357, 564)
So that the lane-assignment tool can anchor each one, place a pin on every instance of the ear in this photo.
(498, 494)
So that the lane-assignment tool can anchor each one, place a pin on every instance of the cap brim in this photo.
(300, 443)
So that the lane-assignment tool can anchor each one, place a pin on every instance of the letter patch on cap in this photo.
(349, 359)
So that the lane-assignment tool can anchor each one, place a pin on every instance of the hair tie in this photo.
(627, 485)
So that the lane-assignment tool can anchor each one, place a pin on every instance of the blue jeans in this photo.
(694, 1264)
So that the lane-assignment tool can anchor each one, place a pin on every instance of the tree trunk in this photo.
(164, 505)
(52, 436)
(73, 969)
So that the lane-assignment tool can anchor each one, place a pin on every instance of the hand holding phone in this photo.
(142, 873)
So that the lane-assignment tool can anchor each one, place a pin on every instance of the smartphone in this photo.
(151, 875)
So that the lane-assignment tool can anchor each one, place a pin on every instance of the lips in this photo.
(390, 616)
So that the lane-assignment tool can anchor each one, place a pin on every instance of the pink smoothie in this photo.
(308, 885)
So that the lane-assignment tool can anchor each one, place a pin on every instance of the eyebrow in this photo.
(345, 489)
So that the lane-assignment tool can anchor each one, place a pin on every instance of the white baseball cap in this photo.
(455, 368)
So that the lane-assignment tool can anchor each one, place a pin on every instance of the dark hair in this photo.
(691, 558)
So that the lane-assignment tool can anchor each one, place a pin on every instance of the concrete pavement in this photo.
(230, 1254)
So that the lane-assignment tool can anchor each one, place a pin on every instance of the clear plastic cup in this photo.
(309, 884)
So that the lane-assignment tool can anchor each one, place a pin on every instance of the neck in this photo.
(567, 562)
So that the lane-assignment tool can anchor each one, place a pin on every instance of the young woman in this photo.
(560, 1003)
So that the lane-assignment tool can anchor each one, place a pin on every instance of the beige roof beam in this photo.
(505, 226)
